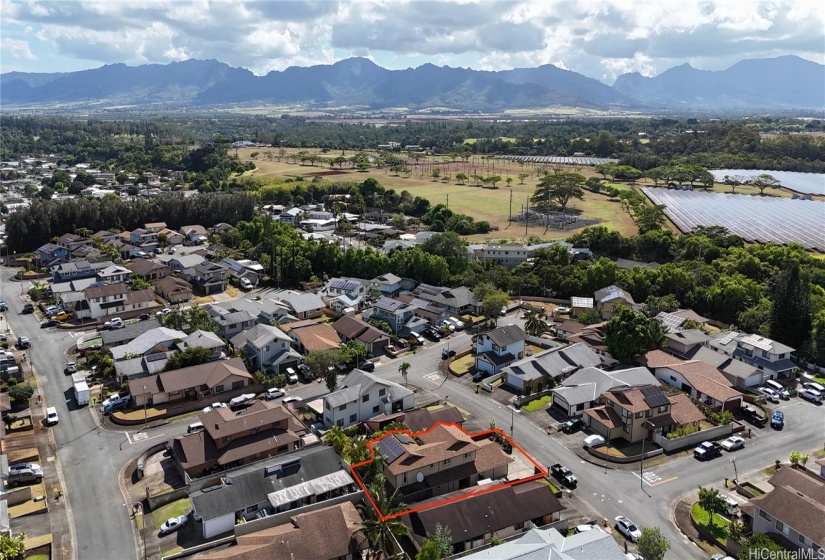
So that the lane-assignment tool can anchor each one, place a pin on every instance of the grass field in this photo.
(538, 404)
(173, 509)
(720, 524)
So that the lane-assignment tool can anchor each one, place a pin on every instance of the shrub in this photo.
(21, 392)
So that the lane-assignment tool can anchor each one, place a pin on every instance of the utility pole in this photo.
(510, 218)
(527, 218)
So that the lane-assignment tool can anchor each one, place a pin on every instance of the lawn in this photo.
(173, 509)
(720, 524)
(538, 404)
(463, 364)
(148, 415)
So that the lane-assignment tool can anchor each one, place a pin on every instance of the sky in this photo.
(600, 39)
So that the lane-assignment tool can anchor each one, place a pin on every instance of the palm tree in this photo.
(402, 369)
(383, 530)
(535, 325)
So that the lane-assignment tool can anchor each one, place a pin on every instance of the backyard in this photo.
(538, 404)
(172, 509)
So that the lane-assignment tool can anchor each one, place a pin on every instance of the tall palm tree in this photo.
(535, 325)
(382, 532)
(402, 369)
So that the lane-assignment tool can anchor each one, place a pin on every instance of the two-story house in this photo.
(609, 299)
(443, 459)
(143, 238)
(148, 270)
(237, 270)
(193, 235)
(267, 348)
(114, 274)
(230, 323)
(548, 367)
(693, 344)
(203, 339)
(291, 216)
(75, 270)
(72, 242)
(584, 388)
(457, 301)
(774, 358)
(362, 396)
(304, 305)
(152, 341)
(51, 254)
(154, 227)
(499, 348)
(631, 413)
(391, 285)
(179, 263)
(228, 440)
(793, 511)
(343, 294)
(394, 312)
(112, 299)
(207, 276)
(698, 379)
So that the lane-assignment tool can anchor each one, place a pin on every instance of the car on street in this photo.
(273, 394)
(458, 323)
(778, 420)
(173, 524)
(572, 425)
(241, 400)
(369, 367)
(810, 395)
(25, 475)
(71, 367)
(707, 450)
(23, 342)
(432, 334)
(564, 475)
(51, 416)
(49, 323)
(447, 354)
(164, 311)
(503, 311)
(143, 317)
(593, 441)
(213, 406)
(771, 395)
(3, 306)
(628, 528)
(733, 443)
(289, 400)
(116, 323)
(28, 308)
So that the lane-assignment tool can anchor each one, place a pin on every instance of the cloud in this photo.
(16, 48)
(599, 38)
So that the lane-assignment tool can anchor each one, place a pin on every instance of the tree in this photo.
(629, 334)
(589, 316)
(451, 247)
(21, 393)
(319, 363)
(652, 545)
(765, 181)
(711, 502)
(12, 547)
(399, 222)
(192, 356)
(522, 177)
(790, 318)
(438, 545)
(429, 551)
(493, 303)
(535, 325)
(382, 529)
(559, 187)
(436, 173)
(403, 369)
(796, 458)
(461, 178)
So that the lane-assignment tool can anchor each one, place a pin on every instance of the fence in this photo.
(693, 439)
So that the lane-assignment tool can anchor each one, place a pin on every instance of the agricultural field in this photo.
(482, 203)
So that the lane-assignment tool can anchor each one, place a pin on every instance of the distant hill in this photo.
(358, 82)
(784, 82)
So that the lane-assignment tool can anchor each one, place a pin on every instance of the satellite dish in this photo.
(419, 477)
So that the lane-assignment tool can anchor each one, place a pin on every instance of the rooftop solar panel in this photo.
(728, 337)
(654, 397)
(390, 449)
(155, 357)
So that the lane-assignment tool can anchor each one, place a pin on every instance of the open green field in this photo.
(488, 204)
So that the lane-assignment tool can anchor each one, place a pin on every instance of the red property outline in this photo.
(482, 490)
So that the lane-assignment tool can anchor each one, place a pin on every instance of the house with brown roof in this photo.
(350, 328)
(230, 440)
(568, 328)
(632, 413)
(173, 289)
(701, 381)
(72, 242)
(209, 379)
(417, 420)
(794, 511)
(310, 336)
(154, 227)
(441, 460)
(475, 519)
(148, 270)
(330, 533)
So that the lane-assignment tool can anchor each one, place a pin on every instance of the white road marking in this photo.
(434, 378)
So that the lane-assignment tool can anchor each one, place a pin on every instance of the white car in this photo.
(593, 441)
(459, 324)
(273, 394)
(24, 466)
(213, 406)
(116, 323)
(117, 397)
(731, 505)
(560, 310)
(164, 311)
(51, 416)
(772, 395)
(811, 386)
(810, 395)
(291, 400)
(628, 528)
(733, 443)
(240, 400)
(173, 524)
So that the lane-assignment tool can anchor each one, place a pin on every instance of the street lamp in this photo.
(735, 473)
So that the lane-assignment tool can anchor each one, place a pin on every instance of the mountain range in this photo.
(787, 82)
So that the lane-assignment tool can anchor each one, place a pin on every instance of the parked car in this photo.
(172, 251)
(25, 475)
(458, 323)
(432, 334)
(53, 310)
(733, 443)
(51, 416)
(116, 405)
(812, 386)
(3, 305)
(164, 311)
(628, 528)
(572, 425)
(446, 324)
(173, 524)
(560, 310)
(593, 441)
(731, 505)
(367, 366)
(213, 406)
(245, 284)
(753, 415)
(273, 394)
(71, 367)
(564, 475)
(117, 397)
(49, 323)
(23, 466)
(143, 317)
(447, 354)
(241, 400)
(772, 395)
(811, 395)
(707, 450)
(480, 376)
(23, 342)
(289, 400)
(28, 308)
(504, 311)
(116, 323)
(291, 375)
(778, 420)
(64, 316)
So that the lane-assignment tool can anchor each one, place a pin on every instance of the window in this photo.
(805, 540)
(353, 418)
(382, 392)
(227, 439)
(375, 408)
(365, 398)
(673, 378)
(219, 389)
(404, 478)
(626, 413)
(467, 455)
(518, 526)
(648, 414)
(640, 414)
(446, 462)
(782, 527)
(237, 384)
(342, 408)
(327, 420)
(326, 405)
(340, 423)
(432, 466)
(663, 408)
(626, 428)
(764, 515)
(250, 509)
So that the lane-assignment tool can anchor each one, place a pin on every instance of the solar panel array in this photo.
(427, 289)
(576, 160)
(390, 449)
(654, 397)
(670, 322)
(343, 285)
(807, 183)
(728, 337)
(758, 342)
(753, 218)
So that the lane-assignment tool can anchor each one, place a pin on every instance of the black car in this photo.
(143, 317)
(48, 323)
(117, 405)
(447, 354)
(367, 366)
(28, 308)
(778, 420)
(432, 334)
(572, 425)
(480, 376)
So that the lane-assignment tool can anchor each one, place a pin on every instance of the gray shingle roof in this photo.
(554, 362)
(146, 341)
(259, 336)
(587, 383)
(549, 544)
(129, 332)
(503, 336)
(301, 301)
(201, 339)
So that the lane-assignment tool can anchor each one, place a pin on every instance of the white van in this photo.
(731, 505)
(779, 388)
(194, 427)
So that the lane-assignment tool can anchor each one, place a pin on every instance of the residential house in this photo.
(105, 236)
(350, 328)
(344, 294)
(173, 289)
(291, 216)
(72, 242)
(111, 300)
(568, 328)
(143, 238)
(237, 270)
(154, 227)
(675, 321)
(391, 285)
(582, 390)
(303, 305)
(208, 277)
(114, 274)
(534, 373)
(394, 312)
(361, 396)
(211, 378)
(310, 336)
(173, 238)
(700, 380)
(89, 253)
(51, 254)
(203, 339)
(265, 310)
(769, 356)
(682, 342)
(631, 413)
(152, 341)
(230, 323)
(424, 310)
(417, 420)
(229, 440)
(794, 511)
(267, 348)
(609, 299)
(296, 482)
(221, 227)
(593, 337)
(510, 255)
(458, 301)
(118, 337)
(148, 270)
(475, 519)
(193, 235)
(550, 544)
(694, 344)
(579, 304)
(441, 460)
(141, 366)
(499, 348)
(74, 270)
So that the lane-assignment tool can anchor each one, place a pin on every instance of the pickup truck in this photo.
(707, 450)
(564, 475)
(753, 415)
